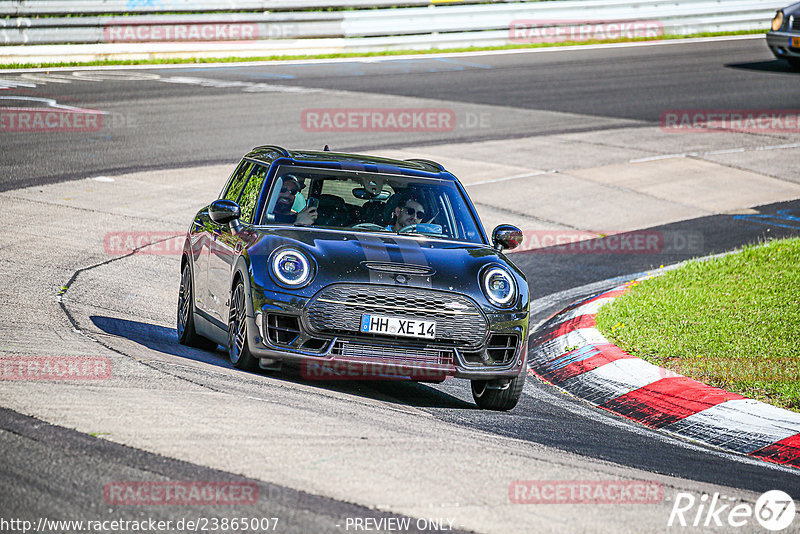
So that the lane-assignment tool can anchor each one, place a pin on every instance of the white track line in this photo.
(377, 59)
(715, 152)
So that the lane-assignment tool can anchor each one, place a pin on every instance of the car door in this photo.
(228, 244)
(205, 264)
(200, 249)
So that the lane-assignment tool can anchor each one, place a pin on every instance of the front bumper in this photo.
(781, 44)
(335, 356)
(367, 361)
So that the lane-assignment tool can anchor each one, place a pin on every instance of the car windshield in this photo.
(384, 203)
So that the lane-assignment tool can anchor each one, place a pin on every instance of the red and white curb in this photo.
(569, 352)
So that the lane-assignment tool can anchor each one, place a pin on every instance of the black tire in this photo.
(238, 347)
(187, 335)
(794, 62)
(498, 399)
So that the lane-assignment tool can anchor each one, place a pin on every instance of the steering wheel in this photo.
(408, 228)
(367, 226)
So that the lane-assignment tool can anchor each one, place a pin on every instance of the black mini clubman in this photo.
(355, 267)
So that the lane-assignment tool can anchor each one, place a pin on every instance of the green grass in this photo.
(732, 322)
(356, 54)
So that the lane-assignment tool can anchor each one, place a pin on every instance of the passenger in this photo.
(409, 211)
(283, 206)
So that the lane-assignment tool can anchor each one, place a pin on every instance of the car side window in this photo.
(249, 196)
(237, 181)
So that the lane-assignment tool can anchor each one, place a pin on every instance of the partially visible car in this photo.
(784, 38)
(352, 266)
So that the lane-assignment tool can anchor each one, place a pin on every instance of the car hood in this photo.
(363, 257)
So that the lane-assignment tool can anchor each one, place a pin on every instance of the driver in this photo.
(283, 206)
(409, 211)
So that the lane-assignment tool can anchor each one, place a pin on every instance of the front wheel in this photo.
(238, 348)
(488, 396)
(794, 62)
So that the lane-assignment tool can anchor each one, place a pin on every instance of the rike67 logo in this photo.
(774, 511)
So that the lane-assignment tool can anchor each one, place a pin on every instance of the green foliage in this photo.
(249, 196)
(732, 322)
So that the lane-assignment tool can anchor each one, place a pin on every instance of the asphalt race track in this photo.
(559, 142)
(598, 90)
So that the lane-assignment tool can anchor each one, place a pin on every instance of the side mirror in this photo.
(224, 211)
(507, 237)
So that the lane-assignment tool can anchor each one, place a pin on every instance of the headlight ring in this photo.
(291, 268)
(499, 286)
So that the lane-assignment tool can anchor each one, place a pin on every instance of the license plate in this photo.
(795, 42)
(397, 326)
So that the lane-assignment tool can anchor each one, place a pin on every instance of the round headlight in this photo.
(777, 22)
(291, 267)
(499, 286)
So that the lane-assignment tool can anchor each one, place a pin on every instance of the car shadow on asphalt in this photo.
(402, 392)
(155, 337)
(164, 340)
(775, 65)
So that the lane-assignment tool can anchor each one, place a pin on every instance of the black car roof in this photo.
(269, 153)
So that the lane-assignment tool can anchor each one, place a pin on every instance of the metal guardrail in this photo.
(676, 15)
(32, 8)
(434, 26)
(165, 28)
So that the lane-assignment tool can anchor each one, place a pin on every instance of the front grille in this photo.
(387, 353)
(337, 309)
(796, 23)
